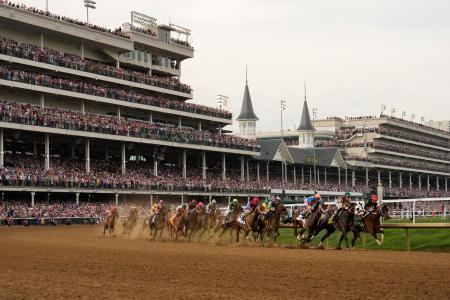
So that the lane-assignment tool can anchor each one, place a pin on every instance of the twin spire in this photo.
(305, 121)
(247, 113)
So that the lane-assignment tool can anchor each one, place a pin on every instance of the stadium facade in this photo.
(90, 111)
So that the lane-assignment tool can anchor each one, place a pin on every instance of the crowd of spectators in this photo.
(148, 31)
(180, 42)
(379, 160)
(117, 32)
(65, 119)
(89, 88)
(54, 57)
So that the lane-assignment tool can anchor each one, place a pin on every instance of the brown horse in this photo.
(251, 223)
(272, 223)
(130, 222)
(310, 224)
(225, 226)
(158, 222)
(177, 224)
(195, 220)
(210, 222)
(371, 222)
(110, 222)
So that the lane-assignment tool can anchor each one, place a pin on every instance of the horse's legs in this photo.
(327, 234)
(340, 241)
(355, 238)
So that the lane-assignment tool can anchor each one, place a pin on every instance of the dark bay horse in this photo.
(371, 222)
(228, 226)
(110, 222)
(195, 221)
(158, 222)
(272, 223)
(310, 223)
(131, 221)
(210, 221)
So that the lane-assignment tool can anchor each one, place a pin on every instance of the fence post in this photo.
(363, 240)
(408, 242)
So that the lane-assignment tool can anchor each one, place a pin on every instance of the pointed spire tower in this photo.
(306, 130)
(247, 118)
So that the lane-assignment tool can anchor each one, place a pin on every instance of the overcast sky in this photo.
(354, 55)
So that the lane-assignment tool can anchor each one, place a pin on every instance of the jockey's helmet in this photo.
(183, 206)
(264, 205)
(255, 199)
(317, 196)
(213, 201)
(235, 201)
(347, 194)
(374, 198)
(200, 204)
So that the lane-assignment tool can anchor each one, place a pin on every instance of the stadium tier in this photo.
(88, 110)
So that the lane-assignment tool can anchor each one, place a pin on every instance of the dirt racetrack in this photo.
(77, 262)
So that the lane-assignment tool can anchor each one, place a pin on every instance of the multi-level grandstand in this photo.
(86, 111)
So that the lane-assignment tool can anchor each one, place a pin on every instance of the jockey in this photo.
(254, 203)
(273, 206)
(372, 203)
(311, 203)
(154, 209)
(112, 211)
(200, 206)
(233, 206)
(211, 206)
(342, 204)
(192, 204)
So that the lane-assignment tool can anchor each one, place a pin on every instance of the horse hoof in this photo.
(338, 248)
(321, 247)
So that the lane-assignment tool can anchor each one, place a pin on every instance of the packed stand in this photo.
(65, 119)
(117, 32)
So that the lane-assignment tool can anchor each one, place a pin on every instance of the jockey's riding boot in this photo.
(331, 220)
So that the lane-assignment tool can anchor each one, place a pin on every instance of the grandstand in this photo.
(87, 110)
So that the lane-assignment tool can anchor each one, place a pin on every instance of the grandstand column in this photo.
(224, 166)
(325, 171)
(257, 172)
(47, 152)
(446, 184)
(124, 166)
(183, 167)
(390, 179)
(32, 198)
(42, 100)
(248, 170)
(282, 171)
(199, 125)
(118, 113)
(339, 176)
(310, 175)
(87, 152)
(83, 111)
(242, 168)
(77, 197)
(117, 199)
(379, 176)
(182, 199)
(318, 175)
(267, 172)
(428, 182)
(203, 165)
(155, 167)
(400, 180)
(179, 122)
(117, 64)
(303, 175)
(437, 183)
(295, 175)
(420, 182)
(410, 181)
(150, 117)
(82, 50)
(2, 152)
(72, 150)
(353, 178)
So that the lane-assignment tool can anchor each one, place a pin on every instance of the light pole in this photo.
(366, 129)
(383, 109)
(46, 6)
(314, 149)
(89, 4)
(283, 167)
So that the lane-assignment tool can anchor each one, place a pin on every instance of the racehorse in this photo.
(177, 224)
(251, 223)
(195, 220)
(296, 223)
(311, 223)
(225, 226)
(130, 222)
(110, 222)
(158, 222)
(371, 221)
(210, 221)
(273, 222)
